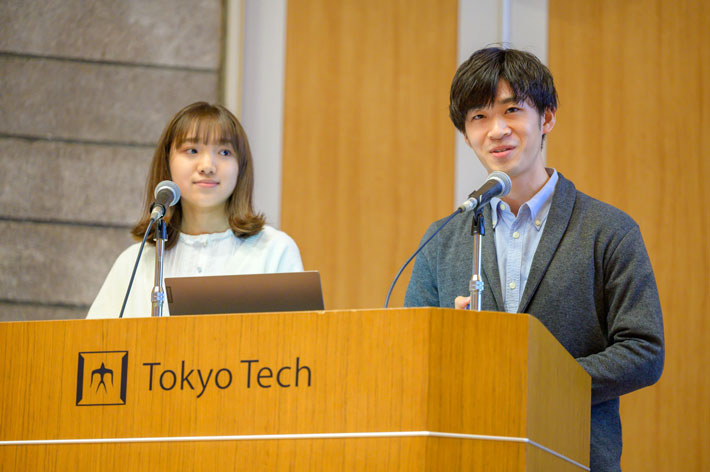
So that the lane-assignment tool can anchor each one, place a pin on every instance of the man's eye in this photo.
(477, 117)
(513, 109)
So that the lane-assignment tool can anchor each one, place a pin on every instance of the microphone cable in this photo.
(389, 293)
(135, 266)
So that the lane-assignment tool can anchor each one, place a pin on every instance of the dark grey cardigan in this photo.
(591, 284)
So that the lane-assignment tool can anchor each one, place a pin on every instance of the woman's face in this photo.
(206, 174)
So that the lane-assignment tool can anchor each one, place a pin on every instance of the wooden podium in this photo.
(424, 389)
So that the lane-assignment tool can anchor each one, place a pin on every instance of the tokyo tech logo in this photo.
(101, 378)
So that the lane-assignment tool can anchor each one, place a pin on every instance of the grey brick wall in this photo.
(85, 90)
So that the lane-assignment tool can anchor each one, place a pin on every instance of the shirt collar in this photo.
(539, 204)
(204, 239)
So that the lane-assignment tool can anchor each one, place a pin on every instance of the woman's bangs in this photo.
(204, 130)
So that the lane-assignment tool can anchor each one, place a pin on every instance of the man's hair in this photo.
(476, 81)
(208, 124)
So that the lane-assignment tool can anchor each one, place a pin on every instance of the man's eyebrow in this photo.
(504, 101)
(510, 99)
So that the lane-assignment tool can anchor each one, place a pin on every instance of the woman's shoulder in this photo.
(108, 300)
(271, 236)
(278, 249)
(130, 254)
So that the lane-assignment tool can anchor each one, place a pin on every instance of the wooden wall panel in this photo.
(368, 155)
(632, 130)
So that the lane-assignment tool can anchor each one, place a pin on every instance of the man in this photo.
(575, 263)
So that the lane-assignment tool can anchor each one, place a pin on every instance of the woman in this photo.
(213, 229)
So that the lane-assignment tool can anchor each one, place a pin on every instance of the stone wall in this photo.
(85, 90)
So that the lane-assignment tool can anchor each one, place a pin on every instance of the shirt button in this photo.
(502, 206)
(538, 223)
(511, 285)
(516, 235)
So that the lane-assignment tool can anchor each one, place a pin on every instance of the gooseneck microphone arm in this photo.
(476, 285)
(157, 295)
(167, 194)
(497, 184)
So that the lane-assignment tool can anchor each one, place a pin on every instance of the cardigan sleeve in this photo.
(634, 355)
(422, 289)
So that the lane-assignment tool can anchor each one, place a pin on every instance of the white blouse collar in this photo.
(204, 239)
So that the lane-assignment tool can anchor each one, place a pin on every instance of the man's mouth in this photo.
(501, 151)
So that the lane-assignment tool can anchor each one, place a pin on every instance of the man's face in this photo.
(507, 136)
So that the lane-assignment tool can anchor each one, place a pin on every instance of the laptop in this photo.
(251, 293)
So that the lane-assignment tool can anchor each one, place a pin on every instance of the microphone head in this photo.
(167, 193)
(504, 180)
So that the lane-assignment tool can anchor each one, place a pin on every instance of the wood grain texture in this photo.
(552, 413)
(368, 156)
(632, 130)
(420, 369)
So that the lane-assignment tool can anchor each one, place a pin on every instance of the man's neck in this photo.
(524, 188)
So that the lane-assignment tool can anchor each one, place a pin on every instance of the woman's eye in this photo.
(225, 152)
(190, 151)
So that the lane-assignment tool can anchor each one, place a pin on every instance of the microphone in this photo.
(167, 194)
(497, 184)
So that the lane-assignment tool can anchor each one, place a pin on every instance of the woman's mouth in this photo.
(206, 183)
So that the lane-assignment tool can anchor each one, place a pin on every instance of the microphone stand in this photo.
(157, 296)
(476, 285)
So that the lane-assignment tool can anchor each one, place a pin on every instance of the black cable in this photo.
(135, 267)
(387, 300)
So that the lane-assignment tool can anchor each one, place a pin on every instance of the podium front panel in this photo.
(294, 387)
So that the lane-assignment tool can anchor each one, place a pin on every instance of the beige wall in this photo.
(632, 130)
(86, 87)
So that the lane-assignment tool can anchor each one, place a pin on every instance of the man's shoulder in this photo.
(592, 211)
(458, 226)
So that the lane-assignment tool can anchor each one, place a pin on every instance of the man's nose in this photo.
(499, 128)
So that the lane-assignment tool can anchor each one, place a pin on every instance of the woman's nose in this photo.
(205, 164)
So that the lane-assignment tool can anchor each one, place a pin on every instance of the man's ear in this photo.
(549, 118)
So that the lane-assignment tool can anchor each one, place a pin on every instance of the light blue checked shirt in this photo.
(516, 239)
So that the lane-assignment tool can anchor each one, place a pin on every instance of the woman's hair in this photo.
(207, 124)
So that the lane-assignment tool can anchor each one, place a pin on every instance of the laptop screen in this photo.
(251, 293)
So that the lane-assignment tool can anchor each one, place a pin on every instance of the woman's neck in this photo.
(204, 221)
